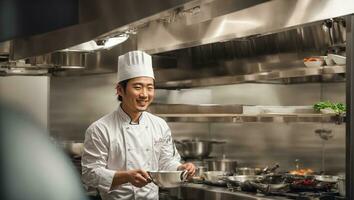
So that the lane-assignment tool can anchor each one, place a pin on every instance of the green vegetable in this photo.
(338, 108)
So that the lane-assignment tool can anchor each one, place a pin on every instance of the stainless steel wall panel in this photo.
(264, 18)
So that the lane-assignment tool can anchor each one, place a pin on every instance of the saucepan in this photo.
(168, 179)
(215, 177)
(256, 171)
(242, 182)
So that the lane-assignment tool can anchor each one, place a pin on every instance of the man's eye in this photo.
(150, 88)
(137, 88)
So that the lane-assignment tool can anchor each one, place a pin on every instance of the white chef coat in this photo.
(113, 143)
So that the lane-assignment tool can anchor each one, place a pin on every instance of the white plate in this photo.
(339, 60)
(327, 111)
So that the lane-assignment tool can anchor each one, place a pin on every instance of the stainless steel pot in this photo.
(168, 179)
(248, 171)
(239, 179)
(215, 177)
(195, 148)
(326, 178)
(225, 165)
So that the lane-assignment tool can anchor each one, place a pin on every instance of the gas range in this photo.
(310, 195)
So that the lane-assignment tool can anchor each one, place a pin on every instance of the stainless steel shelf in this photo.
(325, 73)
(245, 118)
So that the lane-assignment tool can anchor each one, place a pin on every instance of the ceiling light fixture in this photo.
(93, 45)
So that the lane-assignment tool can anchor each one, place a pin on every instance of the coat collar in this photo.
(126, 119)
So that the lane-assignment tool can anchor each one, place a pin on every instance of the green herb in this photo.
(338, 108)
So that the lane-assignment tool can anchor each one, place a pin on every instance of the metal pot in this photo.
(326, 178)
(225, 165)
(215, 177)
(195, 148)
(168, 179)
(248, 171)
(239, 179)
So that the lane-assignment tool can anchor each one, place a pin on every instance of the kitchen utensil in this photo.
(168, 179)
(248, 171)
(243, 182)
(195, 148)
(225, 165)
(215, 177)
(326, 178)
(239, 179)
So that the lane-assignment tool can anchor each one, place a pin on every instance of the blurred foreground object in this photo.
(32, 167)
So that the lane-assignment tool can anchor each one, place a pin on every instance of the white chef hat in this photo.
(134, 64)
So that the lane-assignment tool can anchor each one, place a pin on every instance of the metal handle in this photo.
(184, 175)
(151, 179)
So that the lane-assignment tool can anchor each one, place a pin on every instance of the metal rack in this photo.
(239, 114)
(244, 118)
(325, 73)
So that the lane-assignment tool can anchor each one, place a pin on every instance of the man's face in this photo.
(138, 94)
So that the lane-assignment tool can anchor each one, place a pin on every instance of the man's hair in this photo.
(123, 84)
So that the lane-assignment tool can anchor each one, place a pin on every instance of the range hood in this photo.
(187, 38)
(99, 21)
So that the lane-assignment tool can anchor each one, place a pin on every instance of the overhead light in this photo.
(93, 45)
(113, 41)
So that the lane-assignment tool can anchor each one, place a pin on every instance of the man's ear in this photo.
(119, 90)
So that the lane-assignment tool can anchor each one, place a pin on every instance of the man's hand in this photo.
(138, 177)
(189, 167)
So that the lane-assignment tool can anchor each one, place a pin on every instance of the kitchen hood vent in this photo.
(45, 64)
(181, 33)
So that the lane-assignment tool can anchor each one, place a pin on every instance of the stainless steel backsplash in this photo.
(77, 102)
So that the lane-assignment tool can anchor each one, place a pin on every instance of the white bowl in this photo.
(317, 63)
(339, 60)
(168, 179)
(329, 61)
(327, 111)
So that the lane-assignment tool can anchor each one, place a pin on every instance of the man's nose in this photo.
(143, 93)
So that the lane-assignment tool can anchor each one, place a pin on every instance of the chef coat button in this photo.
(146, 127)
(147, 149)
(127, 128)
(128, 149)
(149, 164)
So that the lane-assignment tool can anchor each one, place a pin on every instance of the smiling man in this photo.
(123, 145)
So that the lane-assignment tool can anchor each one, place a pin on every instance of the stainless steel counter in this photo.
(193, 191)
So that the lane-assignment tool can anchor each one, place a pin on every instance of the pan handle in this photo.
(151, 179)
(184, 175)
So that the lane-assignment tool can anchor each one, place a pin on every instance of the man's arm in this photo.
(94, 160)
(138, 178)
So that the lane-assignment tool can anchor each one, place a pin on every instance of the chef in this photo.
(123, 145)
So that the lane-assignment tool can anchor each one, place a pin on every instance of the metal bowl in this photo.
(215, 177)
(194, 148)
(168, 179)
